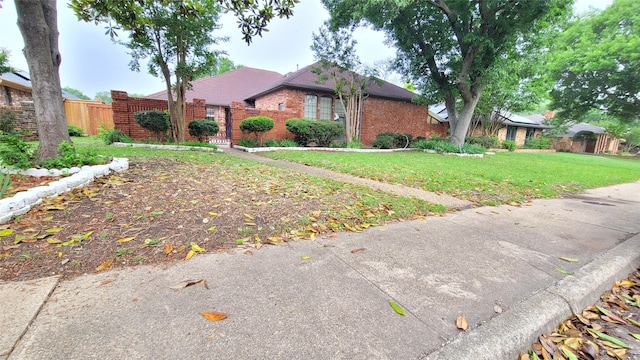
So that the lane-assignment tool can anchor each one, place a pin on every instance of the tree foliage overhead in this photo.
(76, 92)
(4, 61)
(595, 63)
(446, 47)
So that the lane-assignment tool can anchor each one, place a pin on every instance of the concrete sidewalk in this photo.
(335, 303)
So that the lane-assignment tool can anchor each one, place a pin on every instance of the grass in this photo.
(492, 180)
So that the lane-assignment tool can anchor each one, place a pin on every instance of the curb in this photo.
(512, 332)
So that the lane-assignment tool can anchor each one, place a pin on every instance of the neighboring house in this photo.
(506, 125)
(15, 87)
(587, 138)
(245, 92)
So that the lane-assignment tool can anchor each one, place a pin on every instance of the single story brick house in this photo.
(245, 92)
(587, 138)
(508, 126)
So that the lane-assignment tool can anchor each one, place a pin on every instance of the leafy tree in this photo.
(76, 92)
(222, 65)
(4, 61)
(104, 96)
(595, 63)
(38, 25)
(340, 65)
(447, 46)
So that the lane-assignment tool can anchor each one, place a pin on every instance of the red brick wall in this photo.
(124, 107)
(239, 112)
(384, 115)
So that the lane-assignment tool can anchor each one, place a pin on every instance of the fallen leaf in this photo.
(189, 255)
(355, 251)
(568, 259)
(608, 338)
(214, 316)
(397, 308)
(54, 230)
(168, 248)
(461, 323)
(105, 265)
(636, 336)
(6, 232)
(188, 283)
(305, 257)
(564, 271)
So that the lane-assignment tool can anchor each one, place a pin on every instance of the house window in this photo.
(531, 133)
(310, 106)
(340, 110)
(511, 132)
(325, 108)
(281, 106)
(210, 113)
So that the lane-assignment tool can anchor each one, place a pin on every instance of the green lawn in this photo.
(494, 179)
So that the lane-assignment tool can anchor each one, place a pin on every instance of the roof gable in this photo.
(305, 79)
(223, 89)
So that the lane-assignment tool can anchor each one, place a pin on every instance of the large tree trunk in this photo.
(460, 124)
(37, 21)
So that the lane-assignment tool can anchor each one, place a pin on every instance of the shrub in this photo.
(7, 122)
(509, 145)
(485, 141)
(322, 132)
(437, 144)
(472, 149)
(200, 128)
(113, 135)
(257, 125)
(538, 143)
(288, 143)
(248, 143)
(68, 157)
(15, 152)
(271, 143)
(153, 120)
(391, 140)
(75, 131)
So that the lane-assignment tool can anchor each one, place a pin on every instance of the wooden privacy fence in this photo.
(88, 115)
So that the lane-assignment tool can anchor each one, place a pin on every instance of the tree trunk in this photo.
(37, 21)
(460, 124)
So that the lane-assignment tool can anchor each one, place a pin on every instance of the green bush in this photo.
(271, 143)
(249, 143)
(113, 135)
(485, 141)
(509, 145)
(200, 128)
(288, 143)
(68, 157)
(256, 125)
(15, 152)
(472, 149)
(153, 120)
(391, 140)
(75, 131)
(538, 143)
(322, 132)
(7, 121)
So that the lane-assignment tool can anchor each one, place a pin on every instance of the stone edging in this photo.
(265, 149)
(167, 147)
(23, 201)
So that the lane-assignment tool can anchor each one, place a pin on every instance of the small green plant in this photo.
(257, 125)
(288, 143)
(271, 143)
(15, 152)
(321, 132)
(153, 120)
(68, 157)
(354, 144)
(109, 136)
(75, 131)
(200, 128)
(138, 259)
(437, 144)
(123, 251)
(249, 143)
(485, 141)
(509, 145)
(542, 142)
(5, 180)
(391, 140)
(7, 122)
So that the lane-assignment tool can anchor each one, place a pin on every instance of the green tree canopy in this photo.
(446, 47)
(76, 92)
(4, 61)
(104, 96)
(595, 63)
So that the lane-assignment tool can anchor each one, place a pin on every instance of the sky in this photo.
(91, 62)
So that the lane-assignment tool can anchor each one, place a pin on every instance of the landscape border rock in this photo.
(23, 201)
(168, 147)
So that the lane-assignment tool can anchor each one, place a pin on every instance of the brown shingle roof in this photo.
(235, 85)
(305, 79)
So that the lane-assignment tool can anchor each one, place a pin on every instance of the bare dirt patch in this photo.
(163, 210)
